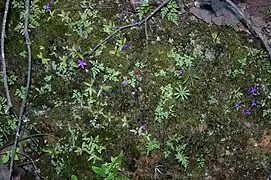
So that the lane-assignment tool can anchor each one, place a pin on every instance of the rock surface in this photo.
(222, 17)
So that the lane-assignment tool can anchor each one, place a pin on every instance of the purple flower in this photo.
(47, 7)
(237, 105)
(143, 127)
(254, 102)
(124, 82)
(82, 63)
(252, 90)
(180, 72)
(248, 111)
(124, 47)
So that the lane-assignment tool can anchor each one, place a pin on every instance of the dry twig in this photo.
(23, 105)
(4, 68)
(139, 23)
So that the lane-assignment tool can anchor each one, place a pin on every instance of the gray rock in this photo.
(201, 14)
(221, 17)
(4, 172)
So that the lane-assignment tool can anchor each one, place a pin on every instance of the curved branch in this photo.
(139, 23)
(4, 68)
(250, 26)
(23, 139)
(37, 172)
(23, 105)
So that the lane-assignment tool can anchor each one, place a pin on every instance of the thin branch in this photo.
(4, 68)
(23, 105)
(156, 169)
(37, 171)
(248, 23)
(34, 165)
(139, 23)
(23, 139)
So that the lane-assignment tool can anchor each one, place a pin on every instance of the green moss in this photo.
(208, 128)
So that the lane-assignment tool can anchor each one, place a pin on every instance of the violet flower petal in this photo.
(47, 7)
(124, 82)
(252, 90)
(82, 63)
(254, 104)
(124, 47)
(248, 111)
(237, 105)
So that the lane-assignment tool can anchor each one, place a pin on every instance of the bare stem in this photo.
(139, 23)
(23, 105)
(4, 68)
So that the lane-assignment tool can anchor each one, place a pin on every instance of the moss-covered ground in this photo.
(217, 65)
